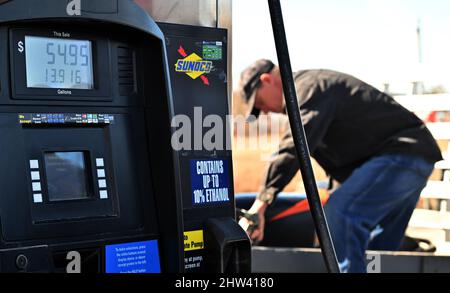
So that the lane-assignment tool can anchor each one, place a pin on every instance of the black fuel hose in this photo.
(299, 136)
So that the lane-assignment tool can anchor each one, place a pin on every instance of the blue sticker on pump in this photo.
(133, 258)
(210, 182)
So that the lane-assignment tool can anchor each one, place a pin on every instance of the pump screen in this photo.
(66, 176)
(58, 63)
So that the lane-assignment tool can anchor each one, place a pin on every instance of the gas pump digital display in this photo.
(58, 63)
(62, 64)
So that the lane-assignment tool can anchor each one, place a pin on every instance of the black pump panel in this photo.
(213, 241)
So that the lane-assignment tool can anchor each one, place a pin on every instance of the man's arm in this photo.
(280, 171)
(317, 113)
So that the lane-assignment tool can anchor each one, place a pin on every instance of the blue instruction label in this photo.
(210, 182)
(137, 258)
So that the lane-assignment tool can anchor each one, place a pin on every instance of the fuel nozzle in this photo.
(252, 220)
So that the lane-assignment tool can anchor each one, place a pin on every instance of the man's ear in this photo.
(266, 78)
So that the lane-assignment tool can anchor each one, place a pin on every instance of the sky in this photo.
(374, 40)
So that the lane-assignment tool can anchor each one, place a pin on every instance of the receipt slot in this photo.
(81, 189)
(213, 241)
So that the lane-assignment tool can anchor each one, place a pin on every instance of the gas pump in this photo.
(80, 192)
(91, 181)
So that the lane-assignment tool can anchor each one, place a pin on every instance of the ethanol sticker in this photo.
(210, 182)
(193, 240)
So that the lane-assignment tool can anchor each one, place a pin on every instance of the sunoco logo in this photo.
(193, 66)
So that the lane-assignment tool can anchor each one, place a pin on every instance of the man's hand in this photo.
(257, 235)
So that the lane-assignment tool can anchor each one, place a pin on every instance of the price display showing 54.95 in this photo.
(58, 63)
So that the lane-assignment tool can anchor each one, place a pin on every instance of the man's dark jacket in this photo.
(347, 122)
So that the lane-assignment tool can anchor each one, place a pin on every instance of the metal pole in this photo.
(298, 134)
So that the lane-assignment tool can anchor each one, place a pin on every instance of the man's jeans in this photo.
(372, 208)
